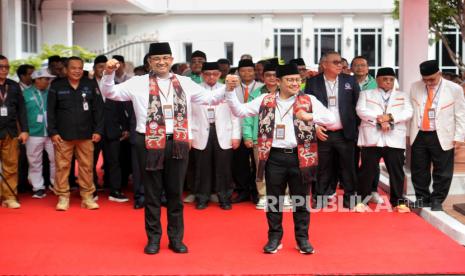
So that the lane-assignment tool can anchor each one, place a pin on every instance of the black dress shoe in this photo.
(436, 206)
(201, 205)
(152, 248)
(241, 197)
(226, 206)
(138, 205)
(178, 247)
(305, 247)
(272, 246)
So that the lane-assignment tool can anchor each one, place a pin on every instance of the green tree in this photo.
(51, 50)
(443, 15)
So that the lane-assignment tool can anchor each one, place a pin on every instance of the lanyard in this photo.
(250, 91)
(435, 93)
(333, 87)
(161, 92)
(3, 97)
(41, 103)
(282, 116)
(385, 100)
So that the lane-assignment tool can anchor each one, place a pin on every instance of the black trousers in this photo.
(394, 160)
(336, 145)
(137, 185)
(244, 170)
(125, 161)
(282, 169)
(111, 163)
(171, 179)
(426, 149)
(23, 166)
(214, 169)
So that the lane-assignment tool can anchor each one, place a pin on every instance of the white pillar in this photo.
(11, 29)
(57, 22)
(308, 42)
(413, 50)
(388, 47)
(90, 31)
(267, 39)
(347, 47)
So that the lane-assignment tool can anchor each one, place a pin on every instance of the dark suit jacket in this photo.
(16, 111)
(349, 91)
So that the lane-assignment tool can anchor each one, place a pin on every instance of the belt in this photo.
(282, 150)
(335, 131)
(169, 137)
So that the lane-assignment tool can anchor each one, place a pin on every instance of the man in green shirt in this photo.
(35, 99)
(197, 60)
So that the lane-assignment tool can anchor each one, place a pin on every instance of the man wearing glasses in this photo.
(436, 129)
(339, 93)
(12, 111)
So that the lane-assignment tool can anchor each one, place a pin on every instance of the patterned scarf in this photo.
(304, 133)
(155, 130)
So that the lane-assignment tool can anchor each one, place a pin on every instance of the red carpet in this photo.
(37, 240)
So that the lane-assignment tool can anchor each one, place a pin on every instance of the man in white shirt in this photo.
(216, 132)
(437, 126)
(162, 106)
(287, 151)
(385, 113)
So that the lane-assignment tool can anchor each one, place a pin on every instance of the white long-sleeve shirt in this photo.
(321, 115)
(136, 89)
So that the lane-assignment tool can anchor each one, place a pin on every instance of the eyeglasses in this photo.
(360, 65)
(158, 59)
(269, 75)
(6, 67)
(210, 74)
(291, 80)
(336, 62)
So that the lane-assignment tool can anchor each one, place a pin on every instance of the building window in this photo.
(287, 43)
(446, 64)
(229, 51)
(188, 51)
(368, 44)
(326, 40)
(29, 25)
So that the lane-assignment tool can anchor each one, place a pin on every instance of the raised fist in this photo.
(111, 66)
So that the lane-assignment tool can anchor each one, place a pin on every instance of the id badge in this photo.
(332, 101)
(40, 118)
(168, 111)
(3, 111)
(85, 106)
(211, 113)
(280, 132)
(431, 113)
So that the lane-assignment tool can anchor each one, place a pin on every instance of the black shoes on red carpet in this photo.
(154, 247)
(274, 245)
(305, 247)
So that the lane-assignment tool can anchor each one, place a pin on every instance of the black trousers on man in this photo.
(336, 145)
(282, 169)
(244, 171)
(171, 179)
(111, 163)
(214, 169)
(426, 149)
(394, 160)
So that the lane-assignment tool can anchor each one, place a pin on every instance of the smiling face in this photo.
(269, 77)
(196, 64)
(75, 70)
(289, 85)
(4, 68)
(210, 77)
(385, 82)
(332, 64)
(160, 64)
(247, 74)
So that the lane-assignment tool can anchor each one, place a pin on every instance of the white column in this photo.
(90, 31)
(388, 49)
(267, 39)
(308, 43)
(347, 47)
(57, 22)
(11, 29)
(413, 50)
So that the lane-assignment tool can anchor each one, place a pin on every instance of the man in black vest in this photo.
(339, 93)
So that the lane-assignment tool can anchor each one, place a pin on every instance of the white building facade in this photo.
(222, 29)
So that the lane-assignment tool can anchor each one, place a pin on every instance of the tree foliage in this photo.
(444, 15)
(51, 50)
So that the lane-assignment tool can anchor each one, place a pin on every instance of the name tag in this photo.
(3, 111)
(85, 106)
(332, 101)
(280, 132)
(168, 111)
(211, 113)
(431, 113)
(40, 118)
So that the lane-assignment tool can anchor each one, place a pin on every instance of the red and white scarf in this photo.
(155, 130)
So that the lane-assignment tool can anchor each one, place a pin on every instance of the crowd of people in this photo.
(278, 135)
